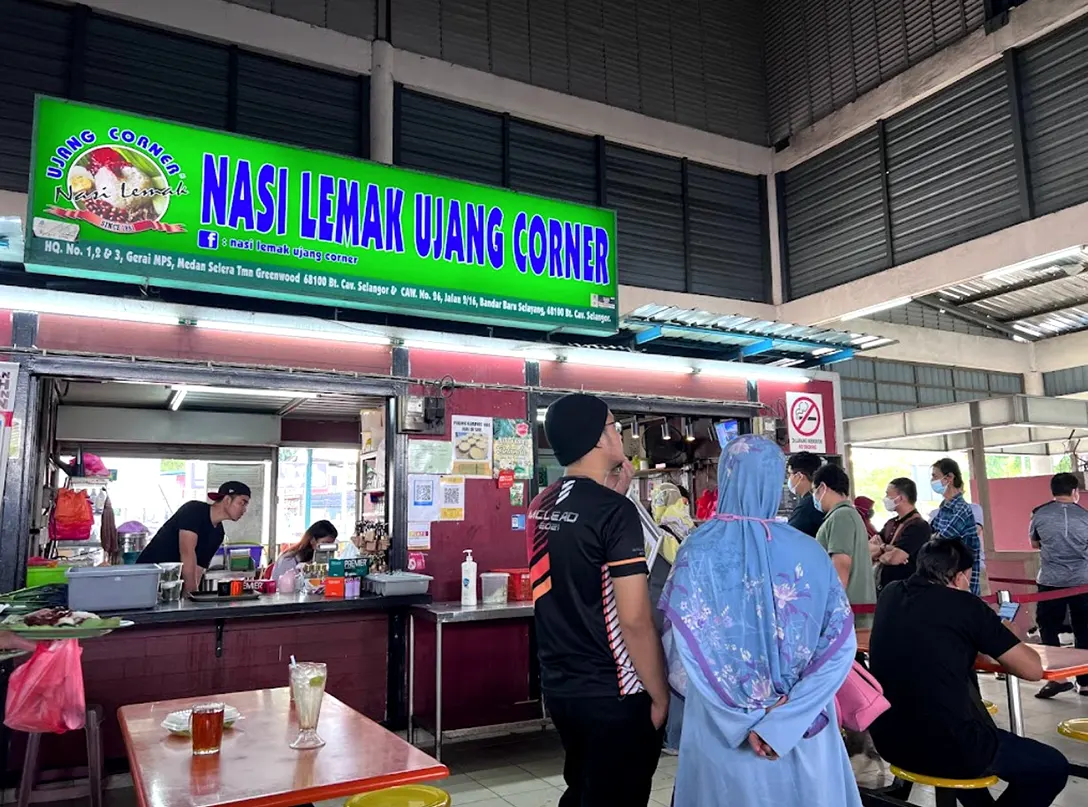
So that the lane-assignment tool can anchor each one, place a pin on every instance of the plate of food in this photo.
(61, 623)
(177, 723)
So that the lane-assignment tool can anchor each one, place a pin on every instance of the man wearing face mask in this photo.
(844, 537)
(1059, 530)
(955, 518)
(926, 637)
(896, 548)
(800, 468)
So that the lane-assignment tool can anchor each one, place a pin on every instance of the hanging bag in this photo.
(72, 518)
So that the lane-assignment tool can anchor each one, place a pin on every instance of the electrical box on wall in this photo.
(771, 428)
(421, 414)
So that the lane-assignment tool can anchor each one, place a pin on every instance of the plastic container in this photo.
(170, 592)
(170, 572)
(255, 552)
(113, 588)
(493, 587)
(520, 587)
(45, 575)
(394, 583)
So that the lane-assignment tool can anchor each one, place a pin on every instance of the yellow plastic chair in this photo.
(404, 796)
(1075, 729)
(945, 789)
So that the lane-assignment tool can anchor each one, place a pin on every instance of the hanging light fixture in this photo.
(665, 434)
(689, 431)
(636, 432)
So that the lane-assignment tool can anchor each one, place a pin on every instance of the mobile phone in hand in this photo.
(1008, 611)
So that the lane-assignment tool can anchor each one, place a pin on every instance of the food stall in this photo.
(424, 359)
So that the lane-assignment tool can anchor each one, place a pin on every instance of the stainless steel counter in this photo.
(447, 612)
(453, 613)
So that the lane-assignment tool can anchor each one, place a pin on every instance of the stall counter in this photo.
(193, 650)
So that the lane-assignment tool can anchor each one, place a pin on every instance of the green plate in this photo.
(91, 629)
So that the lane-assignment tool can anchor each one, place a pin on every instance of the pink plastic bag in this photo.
(860, 700)
(46, 694)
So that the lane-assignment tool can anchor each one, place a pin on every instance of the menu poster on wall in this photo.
(517, 494)
(422, 498)
(513, 447)
(133, 199)
(430, 457)
(451, 493)
(472, 445)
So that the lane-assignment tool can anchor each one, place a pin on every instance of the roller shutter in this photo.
(549, 162)
(952, 168)
(303, 106)
(152, 72)
(34, 46)
(444, 137)
(727, 242)
(834, 217)
(646, 191)
(1054, 87)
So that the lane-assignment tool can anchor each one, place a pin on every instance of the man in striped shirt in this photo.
(601, 665)
(955, 518)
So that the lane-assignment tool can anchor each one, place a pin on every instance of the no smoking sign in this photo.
(805, 422)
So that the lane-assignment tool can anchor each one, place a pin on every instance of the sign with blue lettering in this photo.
(128, 198)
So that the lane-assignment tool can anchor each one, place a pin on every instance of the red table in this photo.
(1058, 663)
(256, 767)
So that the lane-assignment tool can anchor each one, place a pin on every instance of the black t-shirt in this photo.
(924, 643)
(581, 536)
(196, 517)
(805, 517)
(911, 538)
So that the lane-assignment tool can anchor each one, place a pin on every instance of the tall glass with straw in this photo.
(308, 690)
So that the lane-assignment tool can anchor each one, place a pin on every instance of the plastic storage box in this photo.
(45, 575)
(520, 586)
(393, 583)
(493, 586)
(113, 588)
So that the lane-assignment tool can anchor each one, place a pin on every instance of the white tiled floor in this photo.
(526, 770)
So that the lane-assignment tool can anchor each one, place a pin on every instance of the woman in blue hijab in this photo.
(760, 637)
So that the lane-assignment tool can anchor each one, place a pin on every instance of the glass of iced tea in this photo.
(206, 726)
(308, 688)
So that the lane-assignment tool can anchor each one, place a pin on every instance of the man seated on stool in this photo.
(927, 632)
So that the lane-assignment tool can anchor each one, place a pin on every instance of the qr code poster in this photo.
(423, 498)
(451, 498)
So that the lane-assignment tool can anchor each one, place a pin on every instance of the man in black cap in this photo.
(194, 533)
(601, 665)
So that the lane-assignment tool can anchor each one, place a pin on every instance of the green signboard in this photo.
(122, 197)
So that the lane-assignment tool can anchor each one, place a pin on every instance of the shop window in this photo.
(316, 484)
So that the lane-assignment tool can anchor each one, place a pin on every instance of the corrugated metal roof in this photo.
(756, 340)
(1042, 301)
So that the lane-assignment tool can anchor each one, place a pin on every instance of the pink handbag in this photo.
(860, 700)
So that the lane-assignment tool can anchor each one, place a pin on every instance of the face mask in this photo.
(791, 486)
(817, 504)
(938, 487)
(889, 504)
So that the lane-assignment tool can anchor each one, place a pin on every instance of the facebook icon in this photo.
(207, 239)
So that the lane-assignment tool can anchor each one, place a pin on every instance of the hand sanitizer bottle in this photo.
(468, 579)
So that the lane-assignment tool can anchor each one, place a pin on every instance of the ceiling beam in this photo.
(983, 321)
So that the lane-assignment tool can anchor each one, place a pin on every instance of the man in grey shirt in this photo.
(1059, 530)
